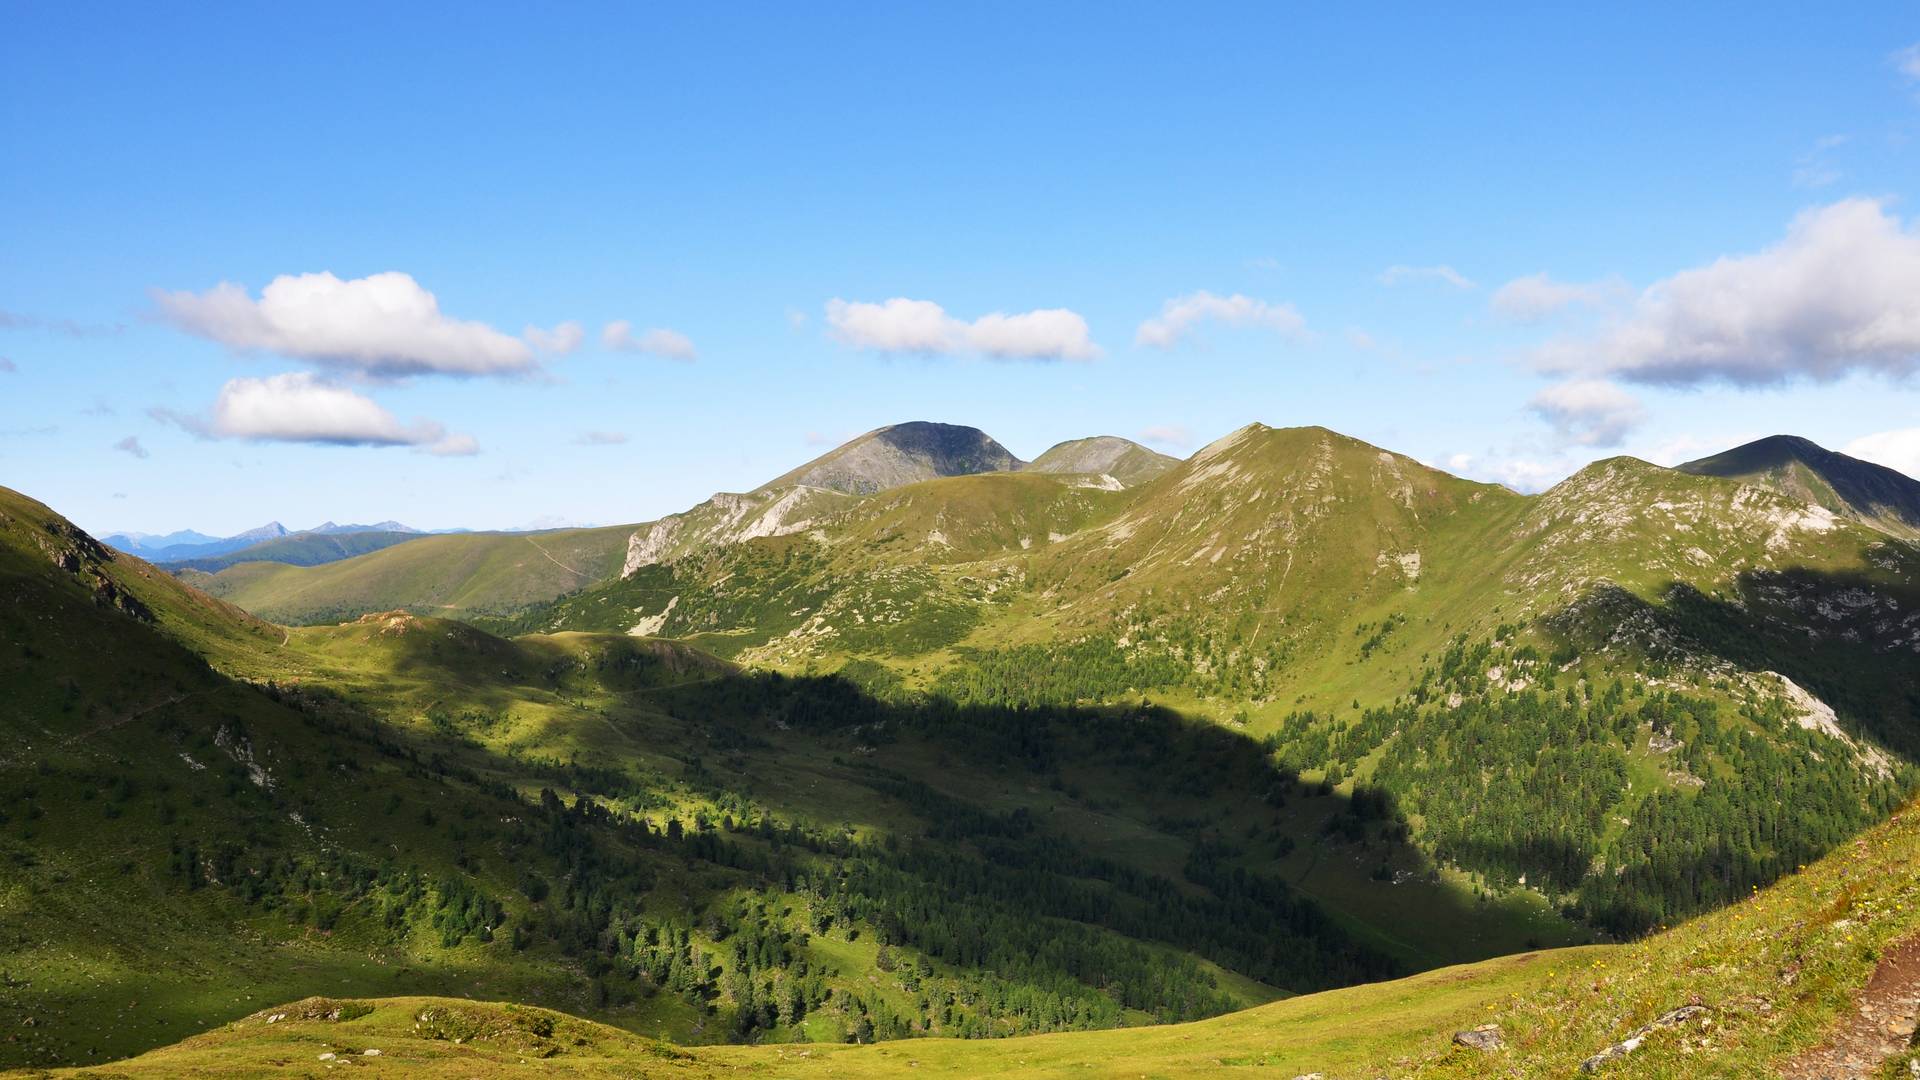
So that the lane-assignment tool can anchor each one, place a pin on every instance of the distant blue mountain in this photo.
(188, 544)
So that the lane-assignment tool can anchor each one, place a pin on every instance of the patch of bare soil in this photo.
(1880, 1027)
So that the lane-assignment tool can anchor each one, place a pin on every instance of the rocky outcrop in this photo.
(728, 518)
(1638, 1037)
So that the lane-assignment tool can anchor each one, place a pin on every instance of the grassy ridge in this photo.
(451, 575)
(1677, 639)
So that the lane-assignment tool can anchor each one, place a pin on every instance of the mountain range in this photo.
(188, 545)
(919, 739)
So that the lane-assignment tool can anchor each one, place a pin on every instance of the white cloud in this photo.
(559, 341)
(1840, 294)
(302, 408)
(1516, 467)
(1044, 334)
(1538, 296)
(898, 325)
(671, 344)
(1907, 61)
(1679, 448)
(1181, 314)
(1815, 168)
(1588, 412)
(453, 446)
(131, 445)
(1526, 474)
(1167, 435)
(383, 325)
(921, 326)
(1897, 449)
(1400, 274)
(601, 438)
(1360, 339)
(14, 320)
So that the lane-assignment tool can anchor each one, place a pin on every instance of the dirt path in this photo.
(553, 560)
(102, 728)
(1881, 1025)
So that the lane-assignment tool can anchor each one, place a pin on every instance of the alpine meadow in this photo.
(1492, 649)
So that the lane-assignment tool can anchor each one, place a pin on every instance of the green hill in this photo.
(1782, 983)
(204, 813)
(1694, 651)
(300, 549)
(982, 755)
(454, 574)
(1126, 463)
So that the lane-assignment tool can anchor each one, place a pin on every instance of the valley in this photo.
(920, 741)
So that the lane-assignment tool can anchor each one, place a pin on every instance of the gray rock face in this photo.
(1126, 461)
(901, 454)
(1638, 1037)
(1486, 1038)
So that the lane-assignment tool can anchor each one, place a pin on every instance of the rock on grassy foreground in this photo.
(1810, 978)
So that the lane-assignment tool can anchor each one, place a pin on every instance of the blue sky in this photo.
(1205, 205)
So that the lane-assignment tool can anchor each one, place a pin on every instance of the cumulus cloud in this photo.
(1588, 412)
(1400, 274)
(901, 325)
(1181, 314)
(601, 438)
(299, 407)
(559, 341)
(131, 445)
(1167, 435)
(671, 344)
(1538, 296)
(1897, 449)
(1840, 294)
(382, 325)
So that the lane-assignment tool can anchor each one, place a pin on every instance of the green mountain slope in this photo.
(1691, 647)
(633, 831)
(1127, 463)
(454, 574)
(1766, 987)
(300, 549)
(1872, 494)
(1298, 712)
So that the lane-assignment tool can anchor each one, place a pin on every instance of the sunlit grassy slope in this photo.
(201, 813)
(1775, 975)
(453, 575)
